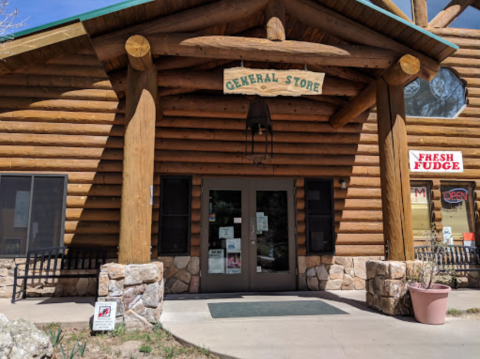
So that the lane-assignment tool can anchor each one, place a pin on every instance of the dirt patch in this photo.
(123, 344)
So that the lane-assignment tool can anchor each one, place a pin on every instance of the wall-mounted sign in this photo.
(272, 83)
(436, 161)
(418, 195)
(455, 195)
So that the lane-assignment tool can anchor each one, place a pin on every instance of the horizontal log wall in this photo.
(64, 117)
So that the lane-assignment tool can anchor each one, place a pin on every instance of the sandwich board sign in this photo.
(105, 314)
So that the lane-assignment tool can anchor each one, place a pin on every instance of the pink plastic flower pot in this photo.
(429, 305)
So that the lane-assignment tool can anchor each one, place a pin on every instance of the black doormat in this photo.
(271, 309)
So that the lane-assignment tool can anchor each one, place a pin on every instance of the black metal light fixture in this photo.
(259, 123)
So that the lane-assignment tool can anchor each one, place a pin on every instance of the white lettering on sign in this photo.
(272, 83)
(436, 161)
(418, 195)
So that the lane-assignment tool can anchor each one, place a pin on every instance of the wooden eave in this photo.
(360, 13)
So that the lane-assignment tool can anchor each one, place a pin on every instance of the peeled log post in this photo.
(138, 165)
(394, 171)
(420, 14)
(139, 55)
(450, 13)
(275, 14)
(400, 73)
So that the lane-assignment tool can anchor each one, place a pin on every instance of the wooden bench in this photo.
(51, 263)
(451, 256)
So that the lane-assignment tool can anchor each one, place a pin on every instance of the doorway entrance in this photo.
(248, 235)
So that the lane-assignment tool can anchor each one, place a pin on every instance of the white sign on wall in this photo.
(105, 314)
(272, 83)
(436, 161)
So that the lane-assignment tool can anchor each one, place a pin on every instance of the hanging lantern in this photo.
(259, 123)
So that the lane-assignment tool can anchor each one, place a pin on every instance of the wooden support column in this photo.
(420, 14)
(139, 150)
(394, 170)
(275, 15)
(450, 13)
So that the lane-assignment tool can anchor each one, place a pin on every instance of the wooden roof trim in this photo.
(82, 17)
(18, 53)
(389, 5)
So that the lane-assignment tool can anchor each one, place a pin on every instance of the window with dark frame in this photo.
(32, 212)
(320, 219)
(175, 215)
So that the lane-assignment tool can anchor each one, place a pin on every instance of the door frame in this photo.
(249, 280)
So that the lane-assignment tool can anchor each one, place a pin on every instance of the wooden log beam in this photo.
(235, 48)
(450, 13)
(138, 51)
(394, 171)
(138, 166)
(189, 80)
(112, 44)
(403, 71)
(389, 5)
(420, 14)
(275, 17)
(321, 17)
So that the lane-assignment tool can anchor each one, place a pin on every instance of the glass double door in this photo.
(247, 235)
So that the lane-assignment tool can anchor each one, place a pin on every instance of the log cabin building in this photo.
(117, 129)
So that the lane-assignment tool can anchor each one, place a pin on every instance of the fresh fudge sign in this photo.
(436, 161)
(272, 83)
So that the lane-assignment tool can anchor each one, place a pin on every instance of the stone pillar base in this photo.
(138, 290)
(387, 286)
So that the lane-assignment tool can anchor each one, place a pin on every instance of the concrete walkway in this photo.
(358, 334)
(42, 311)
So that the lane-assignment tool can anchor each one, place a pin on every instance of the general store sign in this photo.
(272, 83)
(436, 161)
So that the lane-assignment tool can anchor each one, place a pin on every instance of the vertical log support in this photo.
(139, 148)
(275, 17)
(393, 150)
(420, 14)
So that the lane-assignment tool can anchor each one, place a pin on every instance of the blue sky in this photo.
(40, 12)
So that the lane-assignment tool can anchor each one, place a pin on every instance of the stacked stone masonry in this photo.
(387, 286)
(332, 273)
(138, 290)
(182, 274)
(63, 287)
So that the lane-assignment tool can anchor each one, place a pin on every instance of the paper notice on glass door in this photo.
(225, 232)
(262, 222)
(234, 245)
(216, 261)
(234, 263)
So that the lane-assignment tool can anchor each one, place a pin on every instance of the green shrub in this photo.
(146, 349)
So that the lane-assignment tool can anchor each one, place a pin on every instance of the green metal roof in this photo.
(408, 23)
(82, 17)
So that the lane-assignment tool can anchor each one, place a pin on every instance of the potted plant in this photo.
(429, 298)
